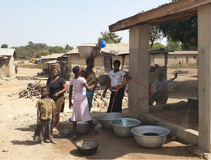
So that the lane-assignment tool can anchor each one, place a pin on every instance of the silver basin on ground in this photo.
(87, 51)
(122, 127)
(82, 127)
(149, 136)
(107, 117)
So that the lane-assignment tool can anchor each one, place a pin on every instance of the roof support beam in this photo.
(171, 10)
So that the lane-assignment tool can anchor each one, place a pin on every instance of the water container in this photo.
(102, 44)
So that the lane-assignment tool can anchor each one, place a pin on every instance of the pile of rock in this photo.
(25, 78)
(32, 91)
(100, 102)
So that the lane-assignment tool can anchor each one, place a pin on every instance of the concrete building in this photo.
(174, 58)
(48, 60)
(7, 67)
(138, 26)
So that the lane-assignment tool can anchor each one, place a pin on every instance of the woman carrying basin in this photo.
(115, 84)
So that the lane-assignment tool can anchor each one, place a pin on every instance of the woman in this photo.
(57, 87)
(114, 82)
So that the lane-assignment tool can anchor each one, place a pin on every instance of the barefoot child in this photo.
(80, 106)
(45, 107)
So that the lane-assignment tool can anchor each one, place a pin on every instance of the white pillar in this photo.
(139, 68)
(204, 76)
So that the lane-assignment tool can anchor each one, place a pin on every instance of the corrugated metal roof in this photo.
(52, 61)
(183, 52)
(7, 52)
(53, 56)
(111, 48)
(73, 51)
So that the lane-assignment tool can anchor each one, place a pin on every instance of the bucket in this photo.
(102, 44)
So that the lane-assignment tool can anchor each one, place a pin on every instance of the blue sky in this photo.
(61, 22)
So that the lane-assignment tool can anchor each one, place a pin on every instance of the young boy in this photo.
(45, 107)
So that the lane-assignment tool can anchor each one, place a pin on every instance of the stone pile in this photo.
(25, 78)
(32, 91)
(100, 102)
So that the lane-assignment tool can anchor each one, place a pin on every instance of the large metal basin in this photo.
(87, 51)
(122, 127)
(87, 147)
(102, 79)
(107, 117)
(82, 127)
(150, 136)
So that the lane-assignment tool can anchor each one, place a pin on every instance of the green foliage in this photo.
(173, 46)
(57, 49)
(37, 46)
(43, 53)
(154, 34)
(68, 47)
(24, 52)
(185, 31)
(110, 37)
(4, 46)
(33, 50)
(158, 46)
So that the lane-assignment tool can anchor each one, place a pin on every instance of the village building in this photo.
(175, 58)
(109, 54)
(138, 26)
(49, 60)
(7, 66)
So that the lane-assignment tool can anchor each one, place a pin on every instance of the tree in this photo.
(173, 46)
(30, 44)
(185, 31)
(4, 46)
(43, 53)
(154, 34)
(109, 37)
(37, 46)
(57, 49)
(158, 46)
(68, 47)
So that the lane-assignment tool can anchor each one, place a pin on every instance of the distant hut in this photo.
(7, 67)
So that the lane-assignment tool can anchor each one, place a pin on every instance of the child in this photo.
(83, 74)
(80, 106)
(45, 107)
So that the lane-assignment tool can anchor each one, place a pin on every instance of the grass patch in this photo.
(38, 66)
(190, 65)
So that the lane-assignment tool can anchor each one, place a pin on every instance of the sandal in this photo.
(52, 141)
(95, 132)
(55, 130)
(75, 137)
(42, 143)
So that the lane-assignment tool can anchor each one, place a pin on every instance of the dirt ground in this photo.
(18, 120)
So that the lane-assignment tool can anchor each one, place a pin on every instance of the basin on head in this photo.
(107, 117)
(122, 127)
(82, 127)
(87, 51)
(149, 136)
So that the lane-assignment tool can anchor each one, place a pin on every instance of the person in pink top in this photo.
(80, 105)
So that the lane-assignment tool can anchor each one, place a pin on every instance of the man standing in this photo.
(160, 88)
